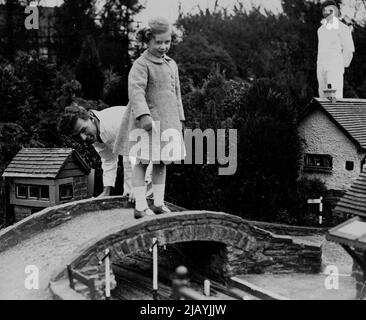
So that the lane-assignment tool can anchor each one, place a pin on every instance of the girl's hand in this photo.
(146, 122)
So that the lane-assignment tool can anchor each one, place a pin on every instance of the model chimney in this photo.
(330, 93)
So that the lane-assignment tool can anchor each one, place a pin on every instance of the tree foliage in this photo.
(74, 20)
(88, 70)
(198, 58)
(280, 46)
(269, 151)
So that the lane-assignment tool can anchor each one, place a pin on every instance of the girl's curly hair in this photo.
(156, 26)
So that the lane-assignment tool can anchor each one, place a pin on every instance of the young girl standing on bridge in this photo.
(154, 115)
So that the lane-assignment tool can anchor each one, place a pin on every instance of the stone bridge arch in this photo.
(248, 248)
(188, 226)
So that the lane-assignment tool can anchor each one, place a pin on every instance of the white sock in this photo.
(140, 198)
(158, 191)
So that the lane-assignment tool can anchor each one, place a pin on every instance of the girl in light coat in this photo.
(151, 128)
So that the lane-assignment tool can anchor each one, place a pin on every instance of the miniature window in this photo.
(349, 165)
(318, 162)
(22, 191)
(66, 191)
(44, 192)
(33, 192)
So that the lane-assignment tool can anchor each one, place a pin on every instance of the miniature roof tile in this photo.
(42, 162)
(354, 200)
(347, 114)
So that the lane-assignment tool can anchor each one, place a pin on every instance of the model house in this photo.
(334, 136)
(44, 177)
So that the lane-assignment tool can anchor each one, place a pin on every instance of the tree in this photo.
(211, 106)
(197, 58)
(89, 72)
(74, 20)
(114, 42)
(282, 47)
(12, 137)
(269, 145)
(13, 35)
(31, 97)
(355, 74)
(117, 25)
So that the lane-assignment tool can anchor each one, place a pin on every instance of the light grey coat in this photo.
(153, 89)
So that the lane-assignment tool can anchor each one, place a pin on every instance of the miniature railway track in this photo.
(134, 279)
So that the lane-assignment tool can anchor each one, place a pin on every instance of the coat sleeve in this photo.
(179, 95)
(109, 165)
(348, 47)
(137, 83)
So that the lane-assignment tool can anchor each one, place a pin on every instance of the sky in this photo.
(169, 8)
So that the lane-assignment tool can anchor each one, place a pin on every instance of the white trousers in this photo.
(330, 75)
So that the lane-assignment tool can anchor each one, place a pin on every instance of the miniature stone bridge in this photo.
(75, 233)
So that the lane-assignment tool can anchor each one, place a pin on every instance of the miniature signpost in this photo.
(320, 202)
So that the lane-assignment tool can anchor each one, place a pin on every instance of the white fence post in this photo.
(155, 268)
(320, 202)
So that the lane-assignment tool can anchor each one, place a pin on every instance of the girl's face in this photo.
(160, 44)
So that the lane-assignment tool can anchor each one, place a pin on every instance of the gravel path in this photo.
(48, 249)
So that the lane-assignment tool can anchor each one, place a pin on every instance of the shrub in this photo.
(115, 91)
(197, 58)
(268, 152)
(307, 189)
(210, 106)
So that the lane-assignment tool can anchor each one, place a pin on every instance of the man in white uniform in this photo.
(100, 129)
(335, 50)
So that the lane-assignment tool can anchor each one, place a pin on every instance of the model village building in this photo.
(334, 141)
(351, 234)
(44, 177)
(334, 136)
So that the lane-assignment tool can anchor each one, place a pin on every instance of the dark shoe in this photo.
(160, 209)
(144, 213)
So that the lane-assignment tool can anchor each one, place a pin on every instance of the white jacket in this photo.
(110, 122)
(335, 44)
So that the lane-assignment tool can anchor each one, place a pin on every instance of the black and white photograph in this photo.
(168, 151)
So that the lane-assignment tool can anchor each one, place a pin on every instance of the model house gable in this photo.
(44, 177)
(334, 138)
